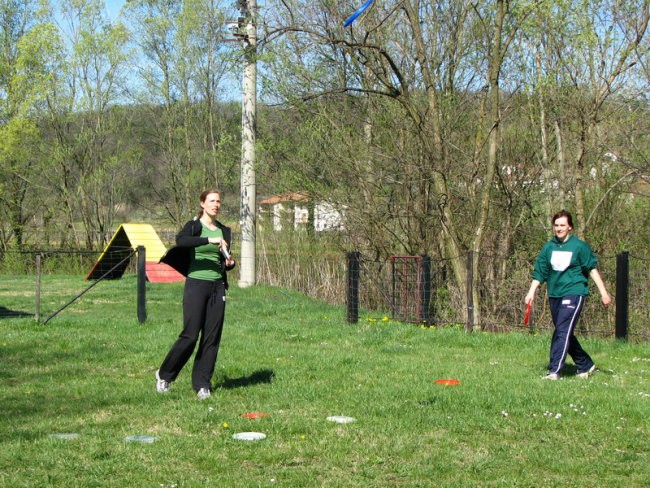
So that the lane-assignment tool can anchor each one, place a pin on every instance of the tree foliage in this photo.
(501, 113)
(437, 128)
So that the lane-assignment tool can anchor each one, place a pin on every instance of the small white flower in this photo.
(559, 415)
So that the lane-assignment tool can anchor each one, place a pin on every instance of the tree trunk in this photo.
(494, 108)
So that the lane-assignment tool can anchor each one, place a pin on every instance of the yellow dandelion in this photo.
(385, 319)
(225, 425)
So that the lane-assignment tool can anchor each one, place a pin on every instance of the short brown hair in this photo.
(560, 214)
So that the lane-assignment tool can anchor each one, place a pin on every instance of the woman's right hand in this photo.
(530, 296)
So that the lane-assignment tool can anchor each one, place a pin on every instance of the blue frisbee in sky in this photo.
(356, 14)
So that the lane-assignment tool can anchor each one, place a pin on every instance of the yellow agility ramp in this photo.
(113, 261)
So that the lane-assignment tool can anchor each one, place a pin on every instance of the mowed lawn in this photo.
(90, 372)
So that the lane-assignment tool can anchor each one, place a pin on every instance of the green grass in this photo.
(90, 372)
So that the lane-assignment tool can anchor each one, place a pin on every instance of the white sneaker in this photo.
(203, 393)
(586, 374)
(162, 386)
(551, 376)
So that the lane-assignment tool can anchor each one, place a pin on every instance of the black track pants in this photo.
(204, 303)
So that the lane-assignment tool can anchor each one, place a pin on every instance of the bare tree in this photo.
(184, 58)
(425, 166)
(88, 168)
(27, 59)
(428, 59)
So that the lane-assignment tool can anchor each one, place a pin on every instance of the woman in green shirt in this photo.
(201, 254)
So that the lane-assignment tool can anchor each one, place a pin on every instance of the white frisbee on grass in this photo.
(67, 436)
(249, 436)
(340, 419)
(146, 439)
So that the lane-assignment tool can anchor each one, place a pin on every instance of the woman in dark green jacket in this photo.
(565, 264)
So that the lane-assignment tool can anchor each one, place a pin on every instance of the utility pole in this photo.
(247, 219)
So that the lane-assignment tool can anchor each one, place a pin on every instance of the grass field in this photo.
(90, 372)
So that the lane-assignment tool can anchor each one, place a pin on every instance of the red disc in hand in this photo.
(527, 314)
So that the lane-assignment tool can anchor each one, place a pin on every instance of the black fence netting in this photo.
(416, 289)
(424, 290)
(37, 283)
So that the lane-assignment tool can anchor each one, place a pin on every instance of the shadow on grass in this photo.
(570, 370)
(6, 313)
(257, 377)
(429, 402)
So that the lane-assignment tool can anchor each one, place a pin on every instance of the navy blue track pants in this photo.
(566, 312)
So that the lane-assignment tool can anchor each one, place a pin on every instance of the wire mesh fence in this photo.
(639, 297)
(414, 289)
(37, 283)
(406, 290)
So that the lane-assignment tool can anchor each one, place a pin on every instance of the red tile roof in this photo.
(285, 197)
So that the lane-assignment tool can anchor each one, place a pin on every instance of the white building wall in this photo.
(276, 216)
(300, 216)
(327, 217)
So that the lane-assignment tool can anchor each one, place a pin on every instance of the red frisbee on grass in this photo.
(527, 314)
(448, 382)
(255, 415)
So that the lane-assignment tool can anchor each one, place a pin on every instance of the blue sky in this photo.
(113, 7)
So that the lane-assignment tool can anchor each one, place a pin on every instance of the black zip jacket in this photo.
(179, 256)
